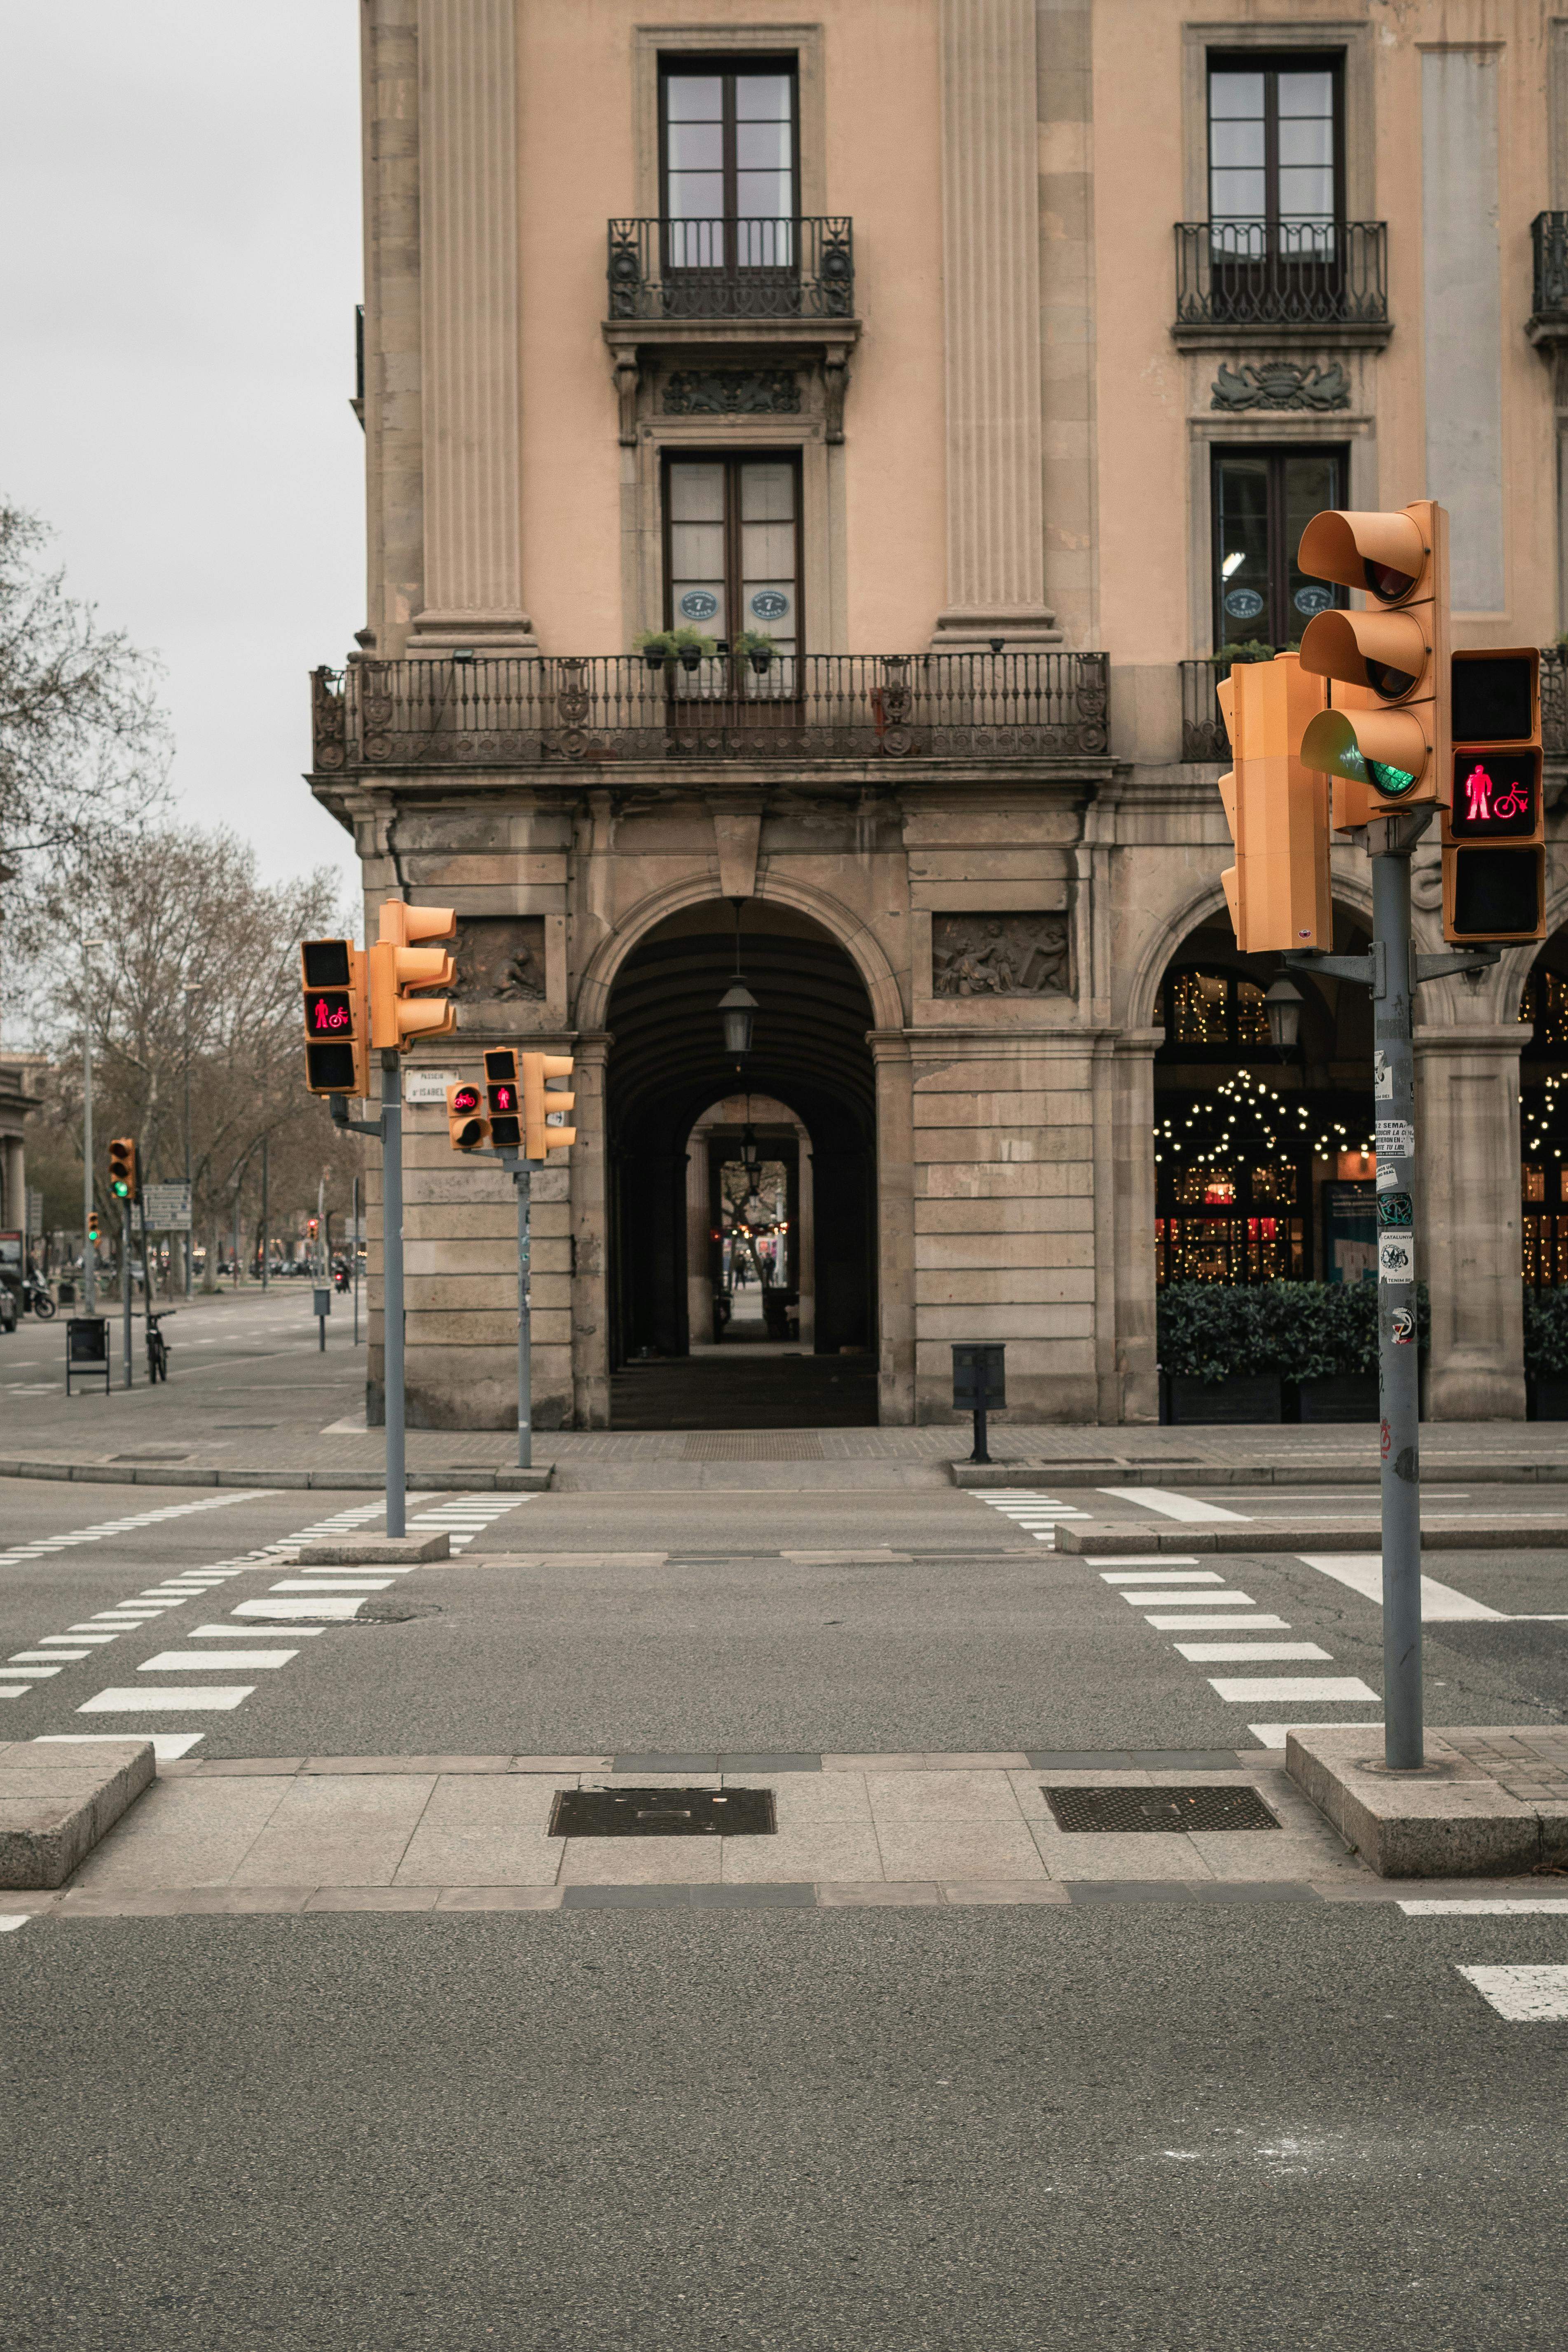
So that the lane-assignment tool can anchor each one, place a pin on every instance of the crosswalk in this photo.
(1038, 1513)
(1523, 1993)
(42, 1545)
(307, 1602)
(1178, 1596)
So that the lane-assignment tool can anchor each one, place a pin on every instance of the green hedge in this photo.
(1546, 1334)
(1300, 1331)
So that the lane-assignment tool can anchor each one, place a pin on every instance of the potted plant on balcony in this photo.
(692, 647)
(656, 646)
(756, 647)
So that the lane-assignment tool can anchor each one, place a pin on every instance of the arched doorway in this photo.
(1263, 1167)
(667, 1069)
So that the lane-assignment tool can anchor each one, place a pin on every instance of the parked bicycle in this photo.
(157, 1346)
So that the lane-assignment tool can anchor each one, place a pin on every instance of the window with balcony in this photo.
(1276, 160)
(1262, 501)
(733, 556)
(730, 165)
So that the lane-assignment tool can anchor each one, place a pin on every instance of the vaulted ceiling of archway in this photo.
(808, 1046)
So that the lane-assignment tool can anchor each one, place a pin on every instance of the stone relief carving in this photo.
(733, 392)
(499, 956)
(1000, 955)
(1281, 384)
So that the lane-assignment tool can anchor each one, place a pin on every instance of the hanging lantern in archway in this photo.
(737, 1008)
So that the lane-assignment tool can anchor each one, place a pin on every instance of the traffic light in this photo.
(337, 1017)
(1276, 808)
(544, 1113)
(397, 966)
(1388, 730)
(311, 1228)
(92, 1228)
(467, 1129)
(502, 1099)
(1494, 831)
(122, 1167)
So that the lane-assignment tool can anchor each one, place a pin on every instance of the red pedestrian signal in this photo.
(337, 1017)
(1494, 833)
(503, 1098)
(467, 1129)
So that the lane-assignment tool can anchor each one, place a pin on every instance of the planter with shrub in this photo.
(1221, 1346)
(1546, 1354)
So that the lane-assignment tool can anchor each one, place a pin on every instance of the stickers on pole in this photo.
(1396, 1257)
(1402, 1322)
(1397, 1210)
(1382, 1076)
(1395, 1138)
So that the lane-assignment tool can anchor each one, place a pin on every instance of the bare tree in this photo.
(84, 747)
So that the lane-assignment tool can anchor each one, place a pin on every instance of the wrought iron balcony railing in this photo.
(1259, 273)
(597, 707)
(749, 268)
(1548, 239)
(1203, 729)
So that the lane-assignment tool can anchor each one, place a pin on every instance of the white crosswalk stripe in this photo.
(42, 1545)
(1037, 1513)
(1526, 1995)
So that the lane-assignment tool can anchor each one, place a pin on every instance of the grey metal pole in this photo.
(392, 1281)
(125, 1282)
(187, 991)
(1398, 1349)
(522, 1177)
(353, 1260)
(265, 1220)
(88, 1255)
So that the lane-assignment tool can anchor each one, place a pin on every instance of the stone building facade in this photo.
(961, 371)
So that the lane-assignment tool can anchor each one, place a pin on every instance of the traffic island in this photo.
(1097, 1539)
(1488, 1802)
(375, 1551)
(55, 1806)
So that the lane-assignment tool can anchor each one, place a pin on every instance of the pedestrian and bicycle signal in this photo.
(337, 1017)
(1494, 830)
(503, 1099)
(1276, 808)
(122, 1167)
(399, 966)
(545, 1107)
(467, 1129)
(1387, 735)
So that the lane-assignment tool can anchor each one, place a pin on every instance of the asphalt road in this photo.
(1116, 2128)
(576, 1642)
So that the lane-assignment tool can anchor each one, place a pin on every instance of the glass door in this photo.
(730, 170)
(1263, 499)
(733, 567)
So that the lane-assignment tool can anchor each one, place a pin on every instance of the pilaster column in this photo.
(1136, 1390)
(590, 1233)
(895, 1228)
(470, 335)
(991, 329)
(1468, 1215)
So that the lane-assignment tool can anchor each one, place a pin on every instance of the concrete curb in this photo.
(1483, 1472)
(55, 1808)
(374, 1551)
(1450, 1821)
(1106, 1542)
(481, 1479)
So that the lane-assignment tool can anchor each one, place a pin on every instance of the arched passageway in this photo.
(668, 1067)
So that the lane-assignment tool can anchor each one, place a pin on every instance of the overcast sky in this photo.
(179, 181)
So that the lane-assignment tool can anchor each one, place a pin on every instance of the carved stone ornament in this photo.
(499, 956)
(1000, 955)
(733, 392)
(1281, 384)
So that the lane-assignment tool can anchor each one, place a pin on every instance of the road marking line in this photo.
(328, 1608)
(14, 1672)
(1192, 1600)
(104, 1528)
(214, 1661)
(1152, 1560)
(1274, 1735)
(11, 1920)
(333, 1584)
(1260, 1623)
(1525, 1995)
(1362, 1572)
(1492, 1906)
(38, 1657)
(168, 1746)
(243, 1632)
(1161, 1576)
(218, 1696)
(1172, 1506)
(1216, 1653)
(1240, 1690)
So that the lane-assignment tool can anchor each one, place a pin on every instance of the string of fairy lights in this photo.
(1539, 1119)
(1252, 1115)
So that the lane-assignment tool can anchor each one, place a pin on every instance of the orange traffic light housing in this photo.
(1387, 734)
(122, 1177)
(399, 966)
(337, 1017)
(467, 1129)
(1277, 810)
(1494, 830)
(544, 1108)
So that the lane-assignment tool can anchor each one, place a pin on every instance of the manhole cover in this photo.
(1158, 1808)
(663, 1812)
(395, 1612)
(753, 1445)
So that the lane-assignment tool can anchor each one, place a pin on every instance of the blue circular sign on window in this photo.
(1244, 603)
(698, 605)
(1313, 600)
(770, 604)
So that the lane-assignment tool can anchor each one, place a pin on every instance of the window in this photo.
(730, 164)
(732, 552)
(1263, 499)
(1276, 156)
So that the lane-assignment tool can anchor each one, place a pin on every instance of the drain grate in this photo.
(663, 1812)
(1158, 1808)
(753, 1445)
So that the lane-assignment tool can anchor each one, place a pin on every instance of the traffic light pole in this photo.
(125, 1282)
(522, 1173)
(392, 1282)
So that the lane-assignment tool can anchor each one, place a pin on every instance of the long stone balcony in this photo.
(589, 709)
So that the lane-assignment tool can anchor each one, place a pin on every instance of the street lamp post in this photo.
(88, 1255)
(191, 988)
